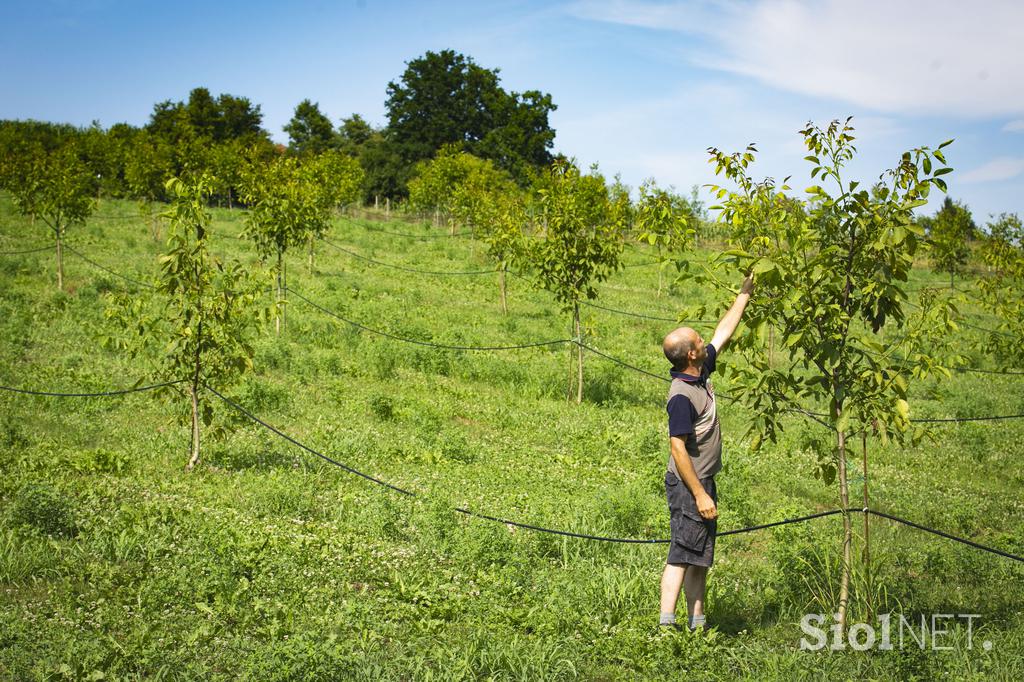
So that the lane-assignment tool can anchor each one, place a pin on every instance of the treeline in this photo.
(441, 99)
(456, 144)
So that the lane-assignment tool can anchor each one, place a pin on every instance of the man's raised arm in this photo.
(727, 325)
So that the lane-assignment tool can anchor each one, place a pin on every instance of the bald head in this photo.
(678, 345)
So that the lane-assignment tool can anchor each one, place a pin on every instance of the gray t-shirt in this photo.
(693, 412)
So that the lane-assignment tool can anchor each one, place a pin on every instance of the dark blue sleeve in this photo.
(709, 361)
(681, 415)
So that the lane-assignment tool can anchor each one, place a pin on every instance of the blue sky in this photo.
(642, 88)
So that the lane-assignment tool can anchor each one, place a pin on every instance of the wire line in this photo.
(90, 395)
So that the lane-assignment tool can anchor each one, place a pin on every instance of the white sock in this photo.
(697, 622)
(668, 618)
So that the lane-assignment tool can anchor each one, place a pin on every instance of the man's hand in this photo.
(748, 285)
(706, 506)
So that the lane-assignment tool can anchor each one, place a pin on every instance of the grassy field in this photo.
(267, 563)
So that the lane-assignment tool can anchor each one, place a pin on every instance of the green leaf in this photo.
(828, 474)
(843, 423)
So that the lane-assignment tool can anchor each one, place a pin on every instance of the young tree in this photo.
(499, 217)
(204, 314)
(831, 277)
(148, 165)
(102, 155)
(340, 178)
(287, 206)
(580, 244)
(663, 220)
(227, 162)
(951, 230)
(1002, 286)
(452, 182)
(57, 188)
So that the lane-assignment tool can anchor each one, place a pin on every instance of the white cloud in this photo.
(689, 17)
(1014, 126)
(1002, 168)
(941, 58)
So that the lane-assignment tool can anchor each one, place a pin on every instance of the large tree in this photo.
(204, 117)
(240, 119)
(309, 130)
(446, 98)
(353, 134)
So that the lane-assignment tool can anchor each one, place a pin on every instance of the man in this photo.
(695, 456)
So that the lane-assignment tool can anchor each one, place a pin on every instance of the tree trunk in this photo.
(194, 388)
(194, 392)
(387, 206)
(154, 223)
(579, 353)
(376, 202)
(280, 294)
(867, 538)
(60, 264)
(311, 254)
(572, 370)
(844, 501)
(504, 303)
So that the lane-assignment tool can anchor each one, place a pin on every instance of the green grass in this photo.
(267, 563)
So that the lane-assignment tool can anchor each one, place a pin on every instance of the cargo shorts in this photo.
(693, 537)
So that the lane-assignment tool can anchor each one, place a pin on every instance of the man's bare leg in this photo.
(671, 583)
(695, 584)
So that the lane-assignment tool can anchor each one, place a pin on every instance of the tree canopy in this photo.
(309, 130)
(446, 98)
(225, 117)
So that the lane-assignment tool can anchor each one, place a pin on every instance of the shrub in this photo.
(99, 461)
(382, 407)
(39, 506)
